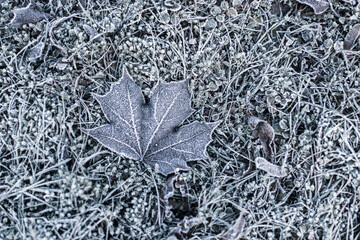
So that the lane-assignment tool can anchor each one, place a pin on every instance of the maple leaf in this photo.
(150, 132)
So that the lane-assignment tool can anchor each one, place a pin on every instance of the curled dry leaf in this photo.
(36, 51)
(351, 37)
(265, 131)
(173, 183)
(319, 6)
(168, 192)
(271, 169)
(169, 189)
(150, 132)
(29, 14)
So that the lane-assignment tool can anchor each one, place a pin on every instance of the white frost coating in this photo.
(271, 169)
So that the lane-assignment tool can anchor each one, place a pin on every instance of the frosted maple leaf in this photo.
(150, 131)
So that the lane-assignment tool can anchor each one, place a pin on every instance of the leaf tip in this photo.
(125, 73)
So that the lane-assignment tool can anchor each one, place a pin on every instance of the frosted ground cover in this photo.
(281, 78)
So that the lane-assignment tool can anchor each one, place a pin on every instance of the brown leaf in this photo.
(265, 131)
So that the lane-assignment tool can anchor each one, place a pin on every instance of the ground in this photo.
(284, 62)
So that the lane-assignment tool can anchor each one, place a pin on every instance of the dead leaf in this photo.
(319, 6)
(36, 51)
(351, 37)
(265, 131)
(168, 191)
(150, 132)
(173, 183)
(29, 14)
(271, 169)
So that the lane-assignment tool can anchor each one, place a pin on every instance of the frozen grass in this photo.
(276, 60)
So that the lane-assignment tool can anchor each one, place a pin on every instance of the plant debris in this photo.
(265, 131)
(173, 183)
(271, 169)
(150, 132)
(319, 6)
(29, 14)
(36, 51)
(351, 37)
